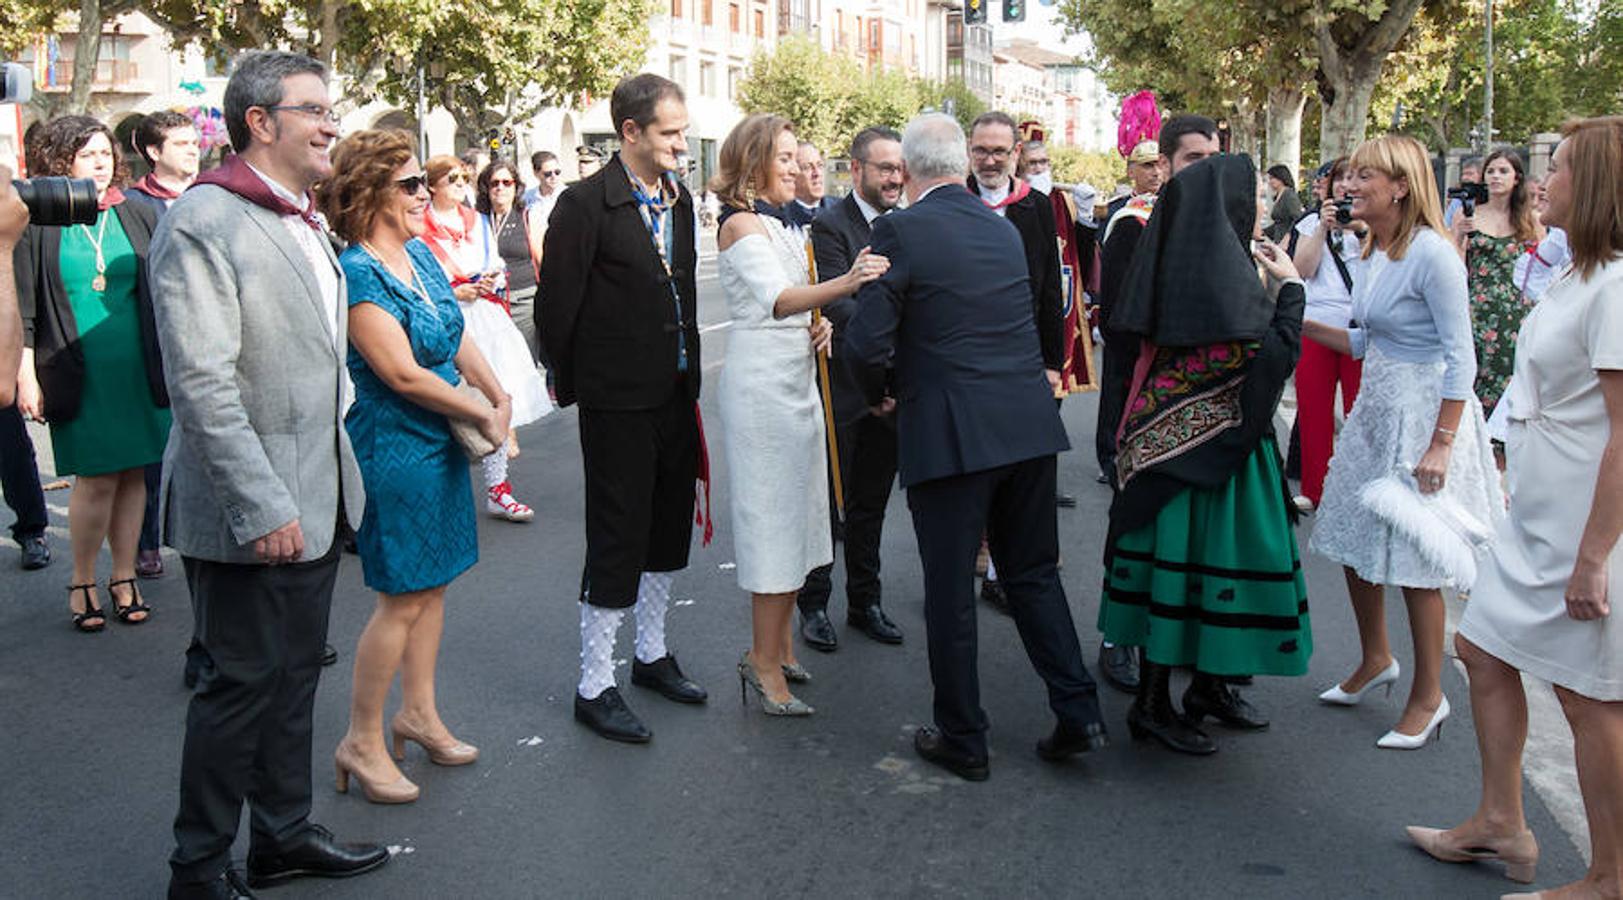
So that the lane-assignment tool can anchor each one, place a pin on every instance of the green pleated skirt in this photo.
(1215, 582)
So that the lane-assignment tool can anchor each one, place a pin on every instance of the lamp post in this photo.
(1487, 82)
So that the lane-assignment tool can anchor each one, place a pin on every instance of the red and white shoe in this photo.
(499, 502)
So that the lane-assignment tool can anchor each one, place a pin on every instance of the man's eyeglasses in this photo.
(990, 152)
(411, 184)
(501, 182)
(313, 110)
(884, 169)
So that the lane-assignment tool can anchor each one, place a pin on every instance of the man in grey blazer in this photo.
(260, 479)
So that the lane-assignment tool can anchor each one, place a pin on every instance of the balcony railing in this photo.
(111, 75)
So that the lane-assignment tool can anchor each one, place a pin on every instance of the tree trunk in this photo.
(327, 48)
(1349, 66)
(1346, 113)
(1284, 115)
(1243, 127)
(86, 51)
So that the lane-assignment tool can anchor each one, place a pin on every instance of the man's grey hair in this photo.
(257, 81)
(934, 146)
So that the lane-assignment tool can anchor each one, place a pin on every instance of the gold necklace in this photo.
(416, 282)
(99, 283)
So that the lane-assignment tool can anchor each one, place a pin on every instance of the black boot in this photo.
(1152, 714)
(1210, 695)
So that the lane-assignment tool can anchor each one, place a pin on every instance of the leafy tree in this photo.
(813, 89)
(1072, 165)
(966, 105)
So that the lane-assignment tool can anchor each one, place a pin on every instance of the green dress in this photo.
(118, 426)
(1215, 581)
(1497, 309)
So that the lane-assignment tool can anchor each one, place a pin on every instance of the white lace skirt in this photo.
(1389, 428)
(499, 340)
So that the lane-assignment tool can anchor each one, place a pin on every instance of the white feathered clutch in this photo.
(1445, 533)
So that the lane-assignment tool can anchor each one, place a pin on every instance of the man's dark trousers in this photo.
(19, 477)
(262, 629)
(868, 470)
(1014, 504)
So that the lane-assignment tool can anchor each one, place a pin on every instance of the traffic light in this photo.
(1014, 10)
(974, 12)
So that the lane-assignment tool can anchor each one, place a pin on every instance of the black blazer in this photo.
(955, 312)
(837, 236)
(48, 323)
(1033, 216)
(605, 309)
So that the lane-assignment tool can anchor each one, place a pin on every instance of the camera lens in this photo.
(58, 201)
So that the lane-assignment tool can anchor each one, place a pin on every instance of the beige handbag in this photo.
(473, 441)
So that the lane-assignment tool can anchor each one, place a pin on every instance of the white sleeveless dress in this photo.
(772, 418)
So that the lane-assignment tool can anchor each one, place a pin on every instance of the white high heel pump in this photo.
(1335, 696)
(1397, 740)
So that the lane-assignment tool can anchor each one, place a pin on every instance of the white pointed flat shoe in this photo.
(1335, 696)
(1397, 740)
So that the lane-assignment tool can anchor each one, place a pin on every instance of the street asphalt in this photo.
(726, 802)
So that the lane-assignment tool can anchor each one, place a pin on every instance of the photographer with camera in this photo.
(1490, 237)
(91, 367)
(1326, 253)
(13, 219)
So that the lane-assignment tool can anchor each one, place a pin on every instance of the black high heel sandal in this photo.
(124, 611)
(92, 619)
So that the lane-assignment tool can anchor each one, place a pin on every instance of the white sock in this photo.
(653, 599)
(495, 467)
(991, 570)
(598, 628)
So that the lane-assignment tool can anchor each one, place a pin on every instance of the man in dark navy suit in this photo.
(977, 433)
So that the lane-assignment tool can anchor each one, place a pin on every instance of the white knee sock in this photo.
(653, 599)
(991, 570)
(598, 628)
(495, 467)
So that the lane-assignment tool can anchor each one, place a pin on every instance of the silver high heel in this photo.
(1397, 740)
(748, 680)
(1335, 696)
(796, 673)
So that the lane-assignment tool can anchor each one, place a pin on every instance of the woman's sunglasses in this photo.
(501, 182)
(412, 184)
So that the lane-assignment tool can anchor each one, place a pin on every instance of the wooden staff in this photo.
(828, 397)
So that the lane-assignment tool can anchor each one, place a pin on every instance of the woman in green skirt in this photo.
(91, 366)
(1201, 565)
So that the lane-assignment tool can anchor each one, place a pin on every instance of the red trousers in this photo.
(1317, 373)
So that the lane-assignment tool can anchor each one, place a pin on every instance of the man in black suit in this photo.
(811, 191)
(867, 436)
(617, 317)
(977, 434)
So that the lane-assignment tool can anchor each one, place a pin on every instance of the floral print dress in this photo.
(1497, 309)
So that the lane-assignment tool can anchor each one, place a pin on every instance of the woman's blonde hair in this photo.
(1595, 165)
(1403, 159)
(362, 184)
(745, 162)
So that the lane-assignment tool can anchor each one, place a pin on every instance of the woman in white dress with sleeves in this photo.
(1416, 420)
(772, 416)
(1541, 604)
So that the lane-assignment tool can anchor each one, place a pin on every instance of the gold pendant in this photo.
(99, 283)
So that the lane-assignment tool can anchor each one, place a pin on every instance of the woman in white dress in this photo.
(772, 416)
(1415, 425)
(466, 249)
(1541, 604)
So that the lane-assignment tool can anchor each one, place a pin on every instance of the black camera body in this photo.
(51, 200)
(1343, 209)
(1469, 193)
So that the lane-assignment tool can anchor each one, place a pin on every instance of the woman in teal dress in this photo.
(92, 368)
(407, 348)
(1201, 563)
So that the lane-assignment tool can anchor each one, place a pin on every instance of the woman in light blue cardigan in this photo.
(1415, 421)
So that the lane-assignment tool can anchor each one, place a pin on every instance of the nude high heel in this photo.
(401, 790)
(455, 753)
(1519, 854)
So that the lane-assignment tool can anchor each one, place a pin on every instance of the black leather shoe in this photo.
(665, 676)
(1118, 666)
(1065, 501)
(1211, 696)
(872, 621)
(36, 553)
(932, 747)
(992, 593)
(328, 655)
(229, 886)
(313, 854)
(1101, 478)
(818, 632)
(609, 716)
(1152, 715)
(1071, 740)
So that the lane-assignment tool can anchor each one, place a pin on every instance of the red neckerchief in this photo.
(112, 198)
(701, 499)
(235, 176)
(1018, 189)
(149, 184)
(440, 239)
